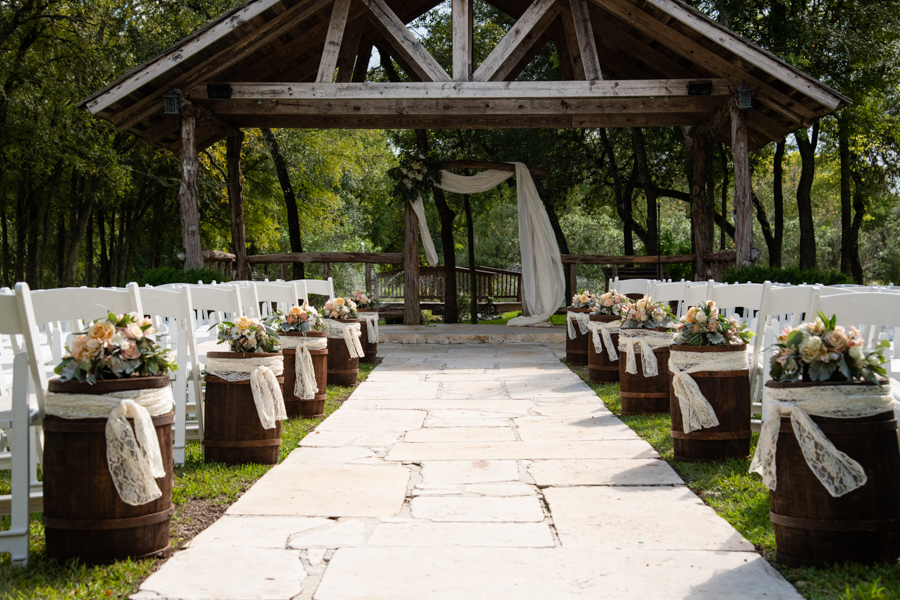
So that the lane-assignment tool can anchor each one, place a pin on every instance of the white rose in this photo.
(700, 316)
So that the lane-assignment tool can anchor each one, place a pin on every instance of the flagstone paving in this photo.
(469, 472)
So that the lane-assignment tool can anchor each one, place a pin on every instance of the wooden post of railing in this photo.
(473, 278)
(326, 270)
(368, 278)
(573, 280)
(411, 314)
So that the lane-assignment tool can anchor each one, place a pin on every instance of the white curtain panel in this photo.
(543, 283)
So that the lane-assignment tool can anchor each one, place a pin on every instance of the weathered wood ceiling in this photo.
(302, 63)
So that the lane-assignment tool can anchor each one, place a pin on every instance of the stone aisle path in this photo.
(469, 472)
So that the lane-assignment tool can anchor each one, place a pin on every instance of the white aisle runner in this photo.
(469, 472)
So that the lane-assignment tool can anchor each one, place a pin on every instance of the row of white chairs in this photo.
(35, 327)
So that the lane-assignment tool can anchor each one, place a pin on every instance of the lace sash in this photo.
(262, 373)
(696, 411)
(305, 385)
(577, 317)
(839, 473)
(647, 340)
(349, 332)
(606, 330)
(371, 319)
(133, 457)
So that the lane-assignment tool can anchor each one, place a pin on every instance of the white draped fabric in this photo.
(543, 282)
(262, 372)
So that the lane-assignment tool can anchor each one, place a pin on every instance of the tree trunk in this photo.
(411, 314)
(82, 202)
(651, 242)
(189, 194)
(104, 255)
(473, 276)
(859, 208)
(236, 200)
(31, 263)
(5, 233)
(807, 147)
(778, 200)
(710, 197)
(764, 224)
(725, 175)
(743, 188)
(290, 200)
(21, 225)
(61, 252)
(699, 206)
(45, 234)
(846, 196)
(623, 194)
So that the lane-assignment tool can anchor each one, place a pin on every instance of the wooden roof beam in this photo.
(404, 43)
(333, 40)
(517, 42)
(349, 51)
(463, 39)
(584, 35)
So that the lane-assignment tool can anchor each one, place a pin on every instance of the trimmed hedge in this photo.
(794, 275)
(162, 275)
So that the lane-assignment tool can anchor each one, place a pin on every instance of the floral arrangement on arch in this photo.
(341, 308)
(702, 325)
(646, 314)
(825, 351)
(115, 347)
(584, 300)
(298, 318)
(611, 303)
(365, 299)
(416, 173)
(249, 335)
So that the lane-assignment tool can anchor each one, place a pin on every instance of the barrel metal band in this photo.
(711, 435)
(829, 525)
(108, 524)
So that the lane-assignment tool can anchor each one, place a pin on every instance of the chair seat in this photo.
(35, 502)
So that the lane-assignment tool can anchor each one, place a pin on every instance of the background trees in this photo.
(81, 204)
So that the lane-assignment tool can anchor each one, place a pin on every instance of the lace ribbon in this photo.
(606, 330)
(371, 319)
(696, 411)
(839, 473)
(648, 340)
(133, 457)
(305, 385)
(581, 318)
(349, 332)
(262, 373)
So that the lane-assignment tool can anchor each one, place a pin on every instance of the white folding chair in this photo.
(321, 287)
(282, 294)
(247, 293)
(632, 286)
(669, 292)
(874, 313)
(173, 313)
(695, 293)
(213, 304)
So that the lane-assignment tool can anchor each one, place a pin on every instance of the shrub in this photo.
(162, 275)
(794, 275)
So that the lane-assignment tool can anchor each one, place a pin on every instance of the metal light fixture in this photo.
(745, 97)
(172, 102)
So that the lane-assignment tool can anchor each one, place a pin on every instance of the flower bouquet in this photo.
(365, 301)
(341, 308)
(415, 173)
(825, 351)
(611, 303)
(115, 347)
(704, 326)
(249, 335)
(299, 319)
(646, 314)
(583, 300)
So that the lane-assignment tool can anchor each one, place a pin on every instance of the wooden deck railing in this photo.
(497, 284)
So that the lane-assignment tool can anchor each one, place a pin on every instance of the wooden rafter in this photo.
(567, 46)
(349, 51)
(463, 43)
(333, 40)
(402, 40)
(517, 41)
(584, 35)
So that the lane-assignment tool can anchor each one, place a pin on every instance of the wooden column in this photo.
(236, 199)
(573, 279)
(462, 39)
(189, 194)
(411, 314)
(473, 276)
(743, 204)
(368, 278)
(326, 270)
(699, 217)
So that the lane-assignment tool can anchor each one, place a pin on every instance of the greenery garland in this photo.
(416, 174)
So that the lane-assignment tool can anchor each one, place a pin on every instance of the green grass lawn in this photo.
(505, 317)
(743, 500)
(202, 492)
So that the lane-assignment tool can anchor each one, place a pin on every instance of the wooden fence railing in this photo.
(497, 284)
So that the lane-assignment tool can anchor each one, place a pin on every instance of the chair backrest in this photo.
(213, 304)
(322, 287)
(786, 306)
(669, 292)
(283, 294)
(746, 296)
(632, 286)
(695, 293)
(23, 322)
(876, 314)
(247, 292)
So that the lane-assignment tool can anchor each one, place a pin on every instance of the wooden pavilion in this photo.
(303, 64)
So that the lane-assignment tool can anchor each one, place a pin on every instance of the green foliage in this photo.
(163, 275)
(670, 245)
(794, 275)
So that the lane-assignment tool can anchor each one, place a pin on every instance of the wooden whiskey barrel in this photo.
(232, 432)
(298, 407)
(645, 395)
(342, 370)
(728, 392)
(600, 368)
(84, 517)
(370, 347)
(577, 348)
(814, 529)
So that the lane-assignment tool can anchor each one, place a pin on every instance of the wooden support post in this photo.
(587, 47)
(473, 276)
(236, 199)
(699, 221)
(743, 204)
(573, 279)
(411, 314)
(326, 270)
(333, 40)
(462, 40)
(189, 194)
(615, 272)
(368, 278)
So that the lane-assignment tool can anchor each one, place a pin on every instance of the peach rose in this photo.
(79, 348)
(243, 324)
(133, 331)
(837, 341)
(130, 351)
(295, 311)
(102, 331)
(812, 349)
